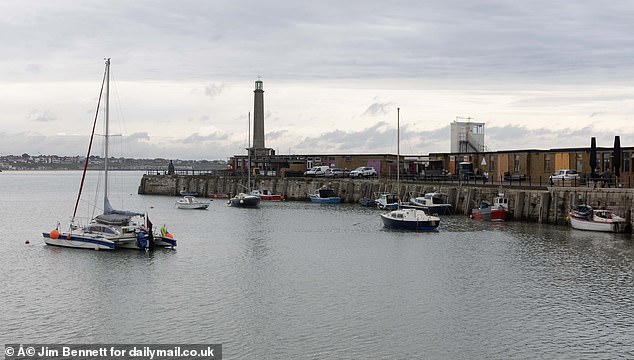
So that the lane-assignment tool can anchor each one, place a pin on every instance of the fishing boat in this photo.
(410, 219)
(113, 228)
(246, 200)
(497, 212)
(267, 195)
(433, 203)
(324, 195)
(584, 217)
(191, 203)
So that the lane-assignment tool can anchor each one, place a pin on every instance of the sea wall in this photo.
(531, 204)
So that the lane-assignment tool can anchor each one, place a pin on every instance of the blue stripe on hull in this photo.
(167, 241)
(107, 244)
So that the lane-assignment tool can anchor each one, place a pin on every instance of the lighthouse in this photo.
(258, 116)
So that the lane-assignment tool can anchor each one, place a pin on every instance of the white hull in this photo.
(604, 225)
(79, 242)
(191, 203)
(199, 206)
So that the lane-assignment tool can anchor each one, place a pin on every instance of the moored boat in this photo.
(245, 201)
(433, 203)
(325, 195)
(387, 201)
(584, 217)
(191, 202)
(496, 212)
(113, 228)
(267, 195)
(410, 219)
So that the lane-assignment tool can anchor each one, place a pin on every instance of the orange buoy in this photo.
(169, 235)
(54, 234)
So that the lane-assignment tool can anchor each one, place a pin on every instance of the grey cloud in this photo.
(378, 109)
(202, 139)
(40, 116)
(213, 90)
(447, 40)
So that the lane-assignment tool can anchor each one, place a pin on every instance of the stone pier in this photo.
(543, 205)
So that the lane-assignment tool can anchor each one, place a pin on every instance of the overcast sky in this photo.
(540, 74)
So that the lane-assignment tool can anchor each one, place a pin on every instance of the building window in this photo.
(547, 164)
(516, 164)
(491, 163)
(606, 162)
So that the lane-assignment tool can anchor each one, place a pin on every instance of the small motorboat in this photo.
(584, 217)
(434, 203)
(190, 202)
(325, 195)
(497, 212)
(387, 201)
(410, 219)
(266, 195)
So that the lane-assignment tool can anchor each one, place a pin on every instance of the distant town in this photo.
(54, 162)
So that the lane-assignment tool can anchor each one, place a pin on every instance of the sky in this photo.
(539, 74)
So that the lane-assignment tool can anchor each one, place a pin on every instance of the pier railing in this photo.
(521, 180)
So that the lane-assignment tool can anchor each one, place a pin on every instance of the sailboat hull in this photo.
(79, 242)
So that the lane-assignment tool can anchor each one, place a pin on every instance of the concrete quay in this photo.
(542, 205)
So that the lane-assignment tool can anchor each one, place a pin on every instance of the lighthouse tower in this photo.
(258, 116)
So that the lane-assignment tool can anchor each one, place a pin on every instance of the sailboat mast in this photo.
(398, 148)
(249, 156)
(107, 117)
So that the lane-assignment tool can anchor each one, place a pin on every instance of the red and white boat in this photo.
(497, 212)
(584, 217)
(267, 195)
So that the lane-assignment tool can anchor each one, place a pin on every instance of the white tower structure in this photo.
(467, 137)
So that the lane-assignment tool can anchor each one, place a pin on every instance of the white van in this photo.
(320, 170)
(316, 171)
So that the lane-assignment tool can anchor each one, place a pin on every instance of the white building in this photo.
(467, 137)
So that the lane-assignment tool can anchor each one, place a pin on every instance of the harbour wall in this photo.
(532, 204)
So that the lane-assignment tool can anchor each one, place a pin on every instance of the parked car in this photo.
(565, 174)
(363, 171)
(336, 173)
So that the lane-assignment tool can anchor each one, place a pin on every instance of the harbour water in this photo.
(302, 281)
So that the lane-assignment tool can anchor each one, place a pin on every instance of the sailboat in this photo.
(407, 219)
(114, 228)
(248, 199)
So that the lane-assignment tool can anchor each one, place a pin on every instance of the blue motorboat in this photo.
(325, 195)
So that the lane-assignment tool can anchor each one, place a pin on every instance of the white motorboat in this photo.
(114, 228)
(433, 202)
(387, 201)
(584, 217)
(191, 202)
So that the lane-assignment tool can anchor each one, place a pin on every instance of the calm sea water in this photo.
(302, 281)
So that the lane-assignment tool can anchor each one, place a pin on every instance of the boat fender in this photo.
(141, 241)
(54, 234)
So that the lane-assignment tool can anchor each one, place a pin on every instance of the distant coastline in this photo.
(54, 162)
